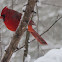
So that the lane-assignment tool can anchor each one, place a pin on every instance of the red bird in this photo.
(12, 18)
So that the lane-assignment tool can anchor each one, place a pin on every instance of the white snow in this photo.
(54, 55)
(24, 8)
(27, 59)
(39, 4)
(14, 54)
(6, 47)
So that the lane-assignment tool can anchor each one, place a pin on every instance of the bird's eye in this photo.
(3, 15)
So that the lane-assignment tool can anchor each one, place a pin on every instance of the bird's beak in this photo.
(1, 17)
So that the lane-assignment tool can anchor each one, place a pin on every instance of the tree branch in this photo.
(19, 32)
(50, 27)
(51, 4)
(43, 32)
(37, 29)
(26, 45)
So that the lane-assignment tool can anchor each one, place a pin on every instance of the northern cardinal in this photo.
(35, 34)
(12, 18)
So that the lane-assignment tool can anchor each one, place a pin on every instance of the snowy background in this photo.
(49, 11)
(54, 55)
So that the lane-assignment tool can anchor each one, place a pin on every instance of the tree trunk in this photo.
(19, 32)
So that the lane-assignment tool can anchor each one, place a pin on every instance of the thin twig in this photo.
(0, 45)
(37, 28)
(50, 4)
(12, 4)
(49, 27)
(26, 45)
(19, 48)
(43, 32)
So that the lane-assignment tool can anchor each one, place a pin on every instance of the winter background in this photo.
(49, 11)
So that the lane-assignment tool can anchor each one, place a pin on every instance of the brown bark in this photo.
(17, 36)
(26, 45)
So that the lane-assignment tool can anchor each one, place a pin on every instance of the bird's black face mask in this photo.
(3, 17)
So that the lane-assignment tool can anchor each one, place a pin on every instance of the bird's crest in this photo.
(5, 7)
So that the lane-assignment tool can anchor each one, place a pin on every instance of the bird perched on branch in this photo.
(11, 19)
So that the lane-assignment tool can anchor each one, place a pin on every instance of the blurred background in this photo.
(48, 11)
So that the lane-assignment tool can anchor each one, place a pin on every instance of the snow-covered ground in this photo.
(54, 55)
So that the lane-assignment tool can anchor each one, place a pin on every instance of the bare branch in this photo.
(37, 28)
(43, 32)
(51, 4)
(19, 32)
(26, 45)
(49, 27)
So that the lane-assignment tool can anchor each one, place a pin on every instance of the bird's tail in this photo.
(35, 34)
(38, 37)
